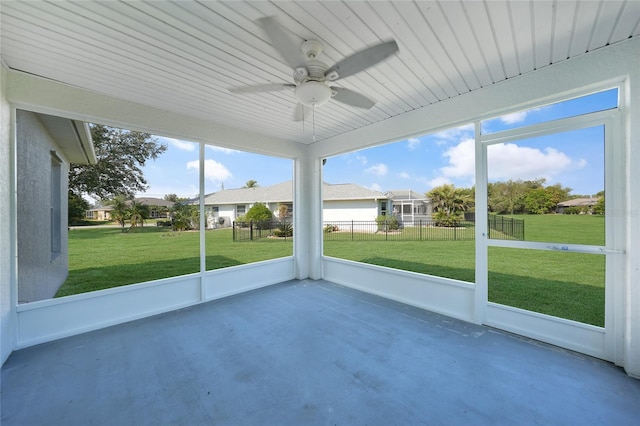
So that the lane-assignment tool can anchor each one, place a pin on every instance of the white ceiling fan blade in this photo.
(352, 98)
(361, 60)
(282, 42)
(269, 87)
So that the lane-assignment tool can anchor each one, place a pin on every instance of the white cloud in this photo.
(220, 149)
(440, 180)
(375, 187)
(213, 171)
(362, 159)
(379, 169)
(183, 145)
(404, 175)
(510, 161)
(455, 134)
(506, 161)
(516, 117)
(413, 143)
(461, 160)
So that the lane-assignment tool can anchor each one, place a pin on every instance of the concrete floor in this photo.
(310, 353)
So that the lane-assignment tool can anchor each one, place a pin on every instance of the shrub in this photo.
(284, 229)
(441, 218)
(258, 212)
(330, 228)
(260, 215)
(572, 210)
(387, 223)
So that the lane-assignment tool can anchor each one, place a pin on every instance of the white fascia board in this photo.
(85, 140)
(46, 96)
(575, 76)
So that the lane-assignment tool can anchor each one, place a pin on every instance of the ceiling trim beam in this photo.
(611, 64)
(46, 96)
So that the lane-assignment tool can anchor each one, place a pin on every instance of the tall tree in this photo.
(138, 213)
(507, 197)
(251, 184)
(121, 155)
(120, 212)
(77, 208)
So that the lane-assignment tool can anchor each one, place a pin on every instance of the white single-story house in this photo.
(341, 202)
(457, 64)
(158, 208)
(45, 145)
(585, 204)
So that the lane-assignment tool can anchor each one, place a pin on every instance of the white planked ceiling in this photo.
(183, 56)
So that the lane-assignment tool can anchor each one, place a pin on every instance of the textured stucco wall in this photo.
(39, 276)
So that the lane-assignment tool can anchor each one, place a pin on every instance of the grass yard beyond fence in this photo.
(568, 285)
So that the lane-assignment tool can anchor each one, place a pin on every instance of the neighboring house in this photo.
(341, 202)
(158, 208)
(584, 204)
(409, 206)
(45, 147)
(99, 213)
(347, 201)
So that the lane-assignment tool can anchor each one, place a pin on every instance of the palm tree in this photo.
(120, 212)
(138, 212)
(251, 184)
(449, 204)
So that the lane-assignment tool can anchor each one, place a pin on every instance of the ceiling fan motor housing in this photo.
(313, 93)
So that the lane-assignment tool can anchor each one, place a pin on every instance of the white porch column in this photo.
(631, 351)
(307, 242)
(7, 236)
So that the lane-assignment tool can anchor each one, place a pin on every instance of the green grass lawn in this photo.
(568, 285)
(101, 258)
(571, 229)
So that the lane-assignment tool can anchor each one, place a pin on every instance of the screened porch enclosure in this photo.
(173, 80)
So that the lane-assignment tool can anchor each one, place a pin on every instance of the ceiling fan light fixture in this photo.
(313, 93)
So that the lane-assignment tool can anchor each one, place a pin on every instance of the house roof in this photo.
(183, 56)
(283, 193)
(578, 202)
(405, 194)
(156, 202)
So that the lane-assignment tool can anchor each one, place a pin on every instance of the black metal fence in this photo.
(506, 228)
(356, 230)
(500, 227)
(257, 230)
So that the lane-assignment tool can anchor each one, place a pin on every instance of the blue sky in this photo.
(574, 159)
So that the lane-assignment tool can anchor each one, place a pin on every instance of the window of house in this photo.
(55, 209)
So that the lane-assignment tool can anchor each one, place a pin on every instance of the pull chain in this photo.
(313, 118)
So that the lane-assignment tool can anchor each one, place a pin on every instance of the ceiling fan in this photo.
(311, 77)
